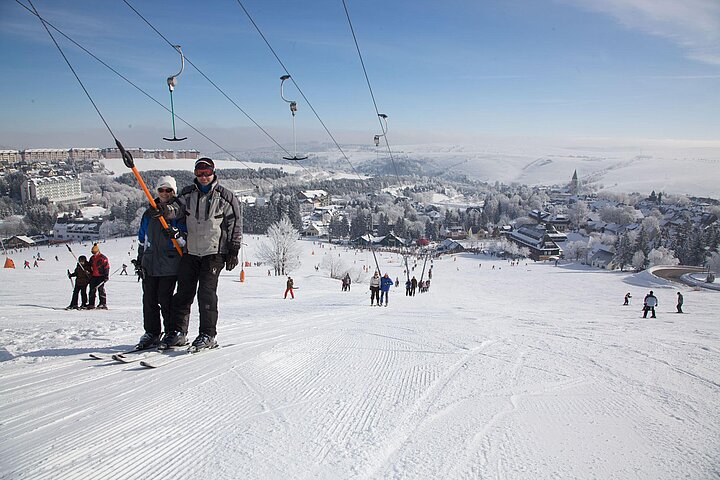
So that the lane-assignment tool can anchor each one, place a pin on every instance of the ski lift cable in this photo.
(381, 117)
(222, 92)
(302, 94)
(127, 156)
(130, 82)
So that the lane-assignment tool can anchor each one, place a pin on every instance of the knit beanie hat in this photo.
(167, 182)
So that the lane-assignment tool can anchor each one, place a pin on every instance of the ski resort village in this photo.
(261, 240)
(513, 339)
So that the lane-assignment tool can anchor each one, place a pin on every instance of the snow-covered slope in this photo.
(513, 372)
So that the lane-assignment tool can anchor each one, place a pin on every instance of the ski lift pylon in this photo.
(172, 82)
(293, 110)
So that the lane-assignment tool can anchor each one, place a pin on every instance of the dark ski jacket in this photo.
(157, 253)
(82, 274)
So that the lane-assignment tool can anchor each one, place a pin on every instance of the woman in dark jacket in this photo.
(159, 262)
(82, 279)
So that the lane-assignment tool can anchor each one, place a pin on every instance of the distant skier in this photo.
(82, 280)
(289, 288)
(408, 288)
(397, 282)
(346, 283)
(375, 289)
(679, 302)
(124, 270)
(414, 284)
(627, 298)
(27, 264)
(649, 304)
(385, 284)
(100, 268)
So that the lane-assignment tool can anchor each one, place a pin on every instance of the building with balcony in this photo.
(57, 189)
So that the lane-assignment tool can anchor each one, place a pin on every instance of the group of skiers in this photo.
(94, 274)
(650, 302)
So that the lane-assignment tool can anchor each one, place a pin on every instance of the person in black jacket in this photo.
(159, 263)
(82, 280)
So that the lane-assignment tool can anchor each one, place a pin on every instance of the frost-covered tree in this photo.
(638, 261)
(281, 250)
(661, 256)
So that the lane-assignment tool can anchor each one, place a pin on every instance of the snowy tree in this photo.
(577, 214)
(281, 250)
(638, 261)
(334, 266)
(661, 256)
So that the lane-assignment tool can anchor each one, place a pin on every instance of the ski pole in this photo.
(72, 284)
(130, 163)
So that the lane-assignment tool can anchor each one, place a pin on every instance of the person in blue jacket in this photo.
(385, 284)
(158, 263)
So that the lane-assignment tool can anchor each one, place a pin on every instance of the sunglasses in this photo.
(203, 173)
(165, 190)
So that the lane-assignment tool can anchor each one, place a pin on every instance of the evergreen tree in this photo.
(294, 212)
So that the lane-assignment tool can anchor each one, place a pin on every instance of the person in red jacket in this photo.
(99, 276)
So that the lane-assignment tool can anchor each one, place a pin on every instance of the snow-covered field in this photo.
(518, 372)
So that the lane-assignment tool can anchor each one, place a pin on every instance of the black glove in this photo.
(172, 232)
(159, 211)
(231, 259)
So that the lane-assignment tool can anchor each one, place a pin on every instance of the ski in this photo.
(158, 361)
(108, 356)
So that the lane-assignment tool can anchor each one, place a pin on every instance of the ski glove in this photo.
(172, 232)
(231, 261)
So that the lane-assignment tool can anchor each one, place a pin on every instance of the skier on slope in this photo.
(159, 264)
(385, 284)
(100, 274)
(649, 304)
(375, 289)
(82, 280)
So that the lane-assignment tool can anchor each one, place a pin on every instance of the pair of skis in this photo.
(149, 358)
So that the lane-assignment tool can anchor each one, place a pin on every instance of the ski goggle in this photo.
(204, 173)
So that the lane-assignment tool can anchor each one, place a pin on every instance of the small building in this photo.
(19, 241)
(602, 259)
(77, 229)
(449, 246)
(541, 246)
(317, 198)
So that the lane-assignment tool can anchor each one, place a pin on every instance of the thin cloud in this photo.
(692, 24)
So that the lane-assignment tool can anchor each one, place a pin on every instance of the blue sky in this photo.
(450, 71)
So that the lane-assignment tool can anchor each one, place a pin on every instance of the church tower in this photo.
(574, 186)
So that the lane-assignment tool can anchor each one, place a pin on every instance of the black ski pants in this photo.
(157, 299)
(97, 284)
(197, 275)
(79, 290)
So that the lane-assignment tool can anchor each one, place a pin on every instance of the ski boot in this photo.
(148, 340)
(203, 341)
(172, 339)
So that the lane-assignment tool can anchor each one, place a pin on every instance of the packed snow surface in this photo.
(532, 371)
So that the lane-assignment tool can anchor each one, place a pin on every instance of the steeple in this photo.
(574, 186)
